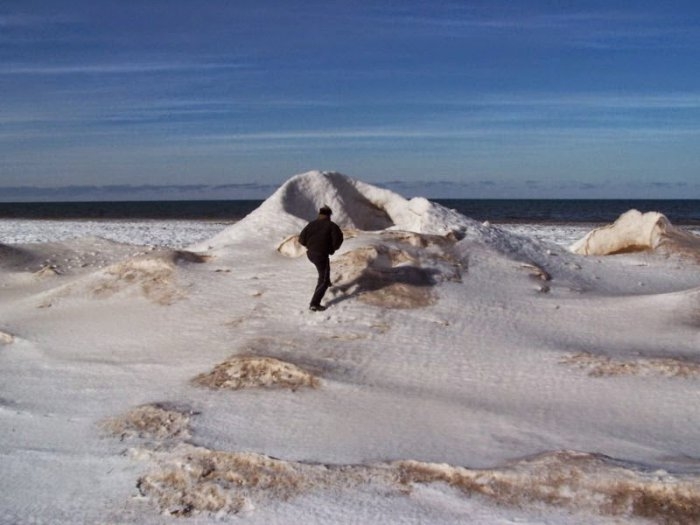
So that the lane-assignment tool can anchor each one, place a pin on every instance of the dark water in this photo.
(682, 212)
(686, 212)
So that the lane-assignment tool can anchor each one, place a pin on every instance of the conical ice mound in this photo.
(356, 206)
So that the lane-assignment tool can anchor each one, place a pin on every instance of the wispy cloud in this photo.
(469, 18)
(249, 190)
(330, 134)
(469, 187)
(679, 100)
(602, 29)
(418, 132)
(113, 69)
(8, 21)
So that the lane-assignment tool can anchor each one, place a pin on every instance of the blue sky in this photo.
(227, 99)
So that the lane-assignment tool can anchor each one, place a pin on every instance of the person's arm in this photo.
(337, 237)
(303, 235)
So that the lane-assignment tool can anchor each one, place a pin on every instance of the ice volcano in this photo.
(356, 206)
(431, 238)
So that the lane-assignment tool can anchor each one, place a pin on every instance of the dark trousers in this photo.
(323, 266)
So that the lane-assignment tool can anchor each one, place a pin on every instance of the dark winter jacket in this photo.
(321, 236)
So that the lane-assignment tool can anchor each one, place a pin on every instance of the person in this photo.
(321, 237)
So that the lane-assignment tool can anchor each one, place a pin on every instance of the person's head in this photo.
(325, 211)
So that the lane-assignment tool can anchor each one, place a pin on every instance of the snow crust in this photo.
(171, 233)
(463, 373)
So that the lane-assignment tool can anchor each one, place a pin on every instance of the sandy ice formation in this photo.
(252, 371)
(192, 480)
(635, 231)
(154, 421)
(398, 271)
(600, 366)
(463, 374)
(187, 480)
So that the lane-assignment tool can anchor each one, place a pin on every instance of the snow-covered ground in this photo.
(463, 372)
(172, 233)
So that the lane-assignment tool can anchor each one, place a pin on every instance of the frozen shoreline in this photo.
(180, 234)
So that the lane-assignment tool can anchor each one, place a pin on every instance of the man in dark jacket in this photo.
(322, 237)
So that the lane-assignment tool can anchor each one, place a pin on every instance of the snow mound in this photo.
(255, 372)
(356, 206)
(634, 231)
(73, 256)
(153, 274)
(150, 275)
(154, 421)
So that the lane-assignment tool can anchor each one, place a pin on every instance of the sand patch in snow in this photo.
(186, 479)
(6, 339)
(603, 366)
(537, 272)
(370, 274)
(203, 480)
(149, 275)
(397, 273)
(47, 271)
(153, 275)
(573, 480)
(193, 479)
(158, 421)
(256, 372)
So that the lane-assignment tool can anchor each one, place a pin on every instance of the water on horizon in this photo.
(554, 211)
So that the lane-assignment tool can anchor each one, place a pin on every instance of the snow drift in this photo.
(634, 231)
